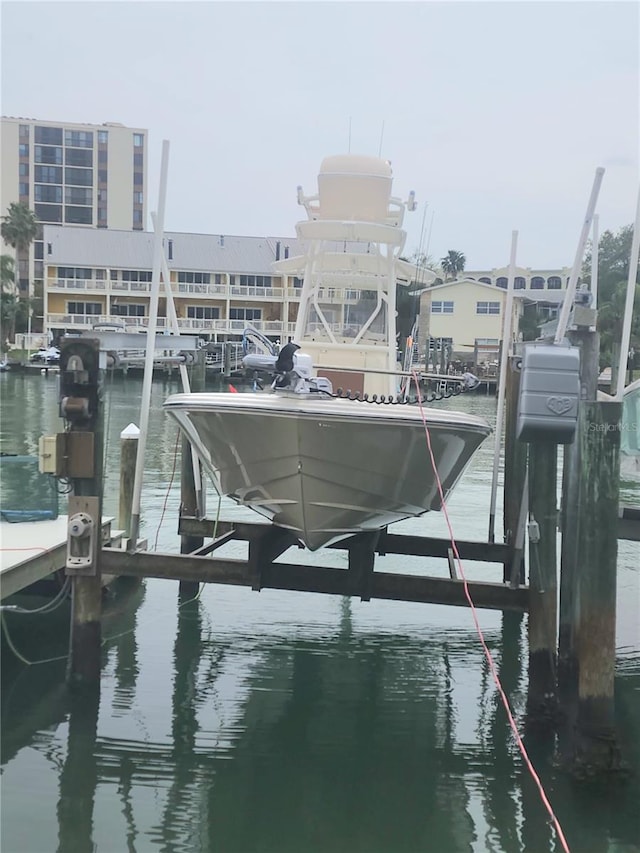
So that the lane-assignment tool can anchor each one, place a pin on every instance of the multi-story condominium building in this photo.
(223, 283)
(220, 283)
(91, 176)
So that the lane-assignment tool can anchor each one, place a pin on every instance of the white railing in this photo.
(222, 327)
(200, 289)
(78, 284)
(263, 292)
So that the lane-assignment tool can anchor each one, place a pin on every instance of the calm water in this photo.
(279, 722)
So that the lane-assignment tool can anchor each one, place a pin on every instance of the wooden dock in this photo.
(32, 550)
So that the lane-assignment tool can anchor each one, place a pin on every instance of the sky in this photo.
(496, 114)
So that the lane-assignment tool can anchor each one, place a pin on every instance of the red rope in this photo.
(487, 653)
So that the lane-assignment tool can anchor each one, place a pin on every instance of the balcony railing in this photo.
(220, 291)
(218, 326)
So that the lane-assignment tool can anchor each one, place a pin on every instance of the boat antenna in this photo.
(381, 135)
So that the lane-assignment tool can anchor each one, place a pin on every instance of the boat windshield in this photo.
(347, 316)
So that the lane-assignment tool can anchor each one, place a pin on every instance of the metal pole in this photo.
(563, 320)
(145, 403)
(506, 346)
(628, 307)
(595, 249)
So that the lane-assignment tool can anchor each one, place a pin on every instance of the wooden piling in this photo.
(595, 747)
(128, 455)
(515, 461)
(188, 487)
(542, 692)
(81, 392)
(589, 343)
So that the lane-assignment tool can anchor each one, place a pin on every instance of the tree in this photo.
(453, 263)
(19, 227)
(7, 298)
(614, 255)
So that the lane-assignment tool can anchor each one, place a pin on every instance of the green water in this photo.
(284, 722)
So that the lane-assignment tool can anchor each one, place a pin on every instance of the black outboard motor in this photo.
(284, 365)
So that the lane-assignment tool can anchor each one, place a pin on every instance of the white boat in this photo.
(319, 461)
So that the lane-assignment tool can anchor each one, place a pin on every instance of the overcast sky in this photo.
(496, 113)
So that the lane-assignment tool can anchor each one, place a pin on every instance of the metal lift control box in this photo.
(549, 393)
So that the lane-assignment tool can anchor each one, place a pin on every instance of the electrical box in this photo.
(549, 393)
(48, 454)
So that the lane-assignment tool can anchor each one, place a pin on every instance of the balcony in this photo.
(83, 322)
(78, 284)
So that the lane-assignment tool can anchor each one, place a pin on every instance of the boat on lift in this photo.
(332, 448)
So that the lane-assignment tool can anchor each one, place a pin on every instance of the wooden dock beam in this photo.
(324, 579)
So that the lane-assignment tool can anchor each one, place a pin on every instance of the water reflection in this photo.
(277, 722)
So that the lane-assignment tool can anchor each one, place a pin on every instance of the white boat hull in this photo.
(326, 468)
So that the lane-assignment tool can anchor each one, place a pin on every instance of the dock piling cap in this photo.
(131, 431)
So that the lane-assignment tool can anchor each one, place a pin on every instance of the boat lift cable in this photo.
(485, 648)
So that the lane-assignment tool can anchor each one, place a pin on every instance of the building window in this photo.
(48, 174)
(103, 136)
(23, 189)
(92, 308)
(102, 214)
(137, 217)
(49, 212)
(136, 275)
(194, 278)
(48, 135)
(78, 157)
(485, 280)
(48, 154)
(537, 283)
(202, 312)
(245, 314)
(74, 272)
(23, 149)
(502, 281)
(127, 309)
(38, 250)
(80, 177)
(23, 170)
(138, 159)
(47, 192)
(297, 282)
(137, 179)
(554, 282)
(79, 138)
(78, 215)
(218, 278)
(519, 283)
(102, 176)
(138, 198)
(78, 195)
(24, 131)
(442, 307)
(138, 140)
(487, 307)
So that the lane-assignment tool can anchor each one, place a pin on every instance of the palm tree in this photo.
(19, 227)
(453, 263)
(7, 298)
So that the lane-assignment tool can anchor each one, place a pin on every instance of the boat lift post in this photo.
(145, 403)
(507, 321)
(628, 308)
